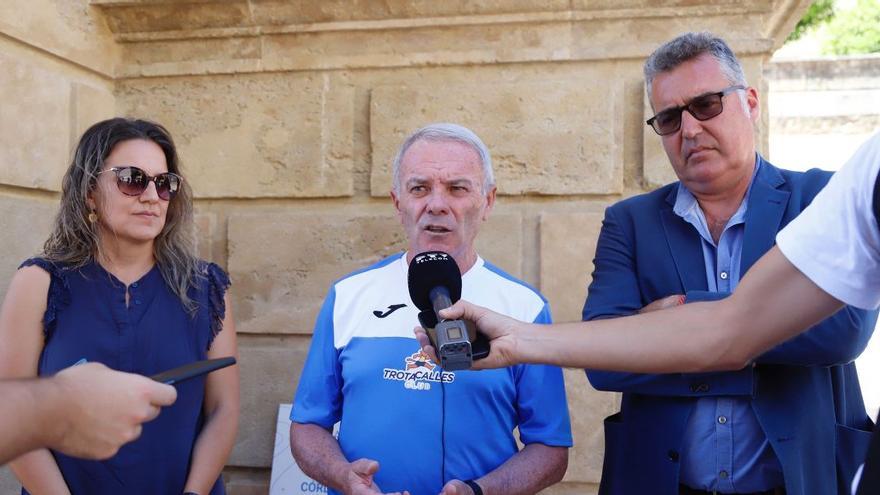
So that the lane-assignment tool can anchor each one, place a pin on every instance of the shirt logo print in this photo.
(391, 309)
(419, 372)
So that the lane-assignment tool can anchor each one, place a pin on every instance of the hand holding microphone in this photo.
(505, 335)
(434, 285)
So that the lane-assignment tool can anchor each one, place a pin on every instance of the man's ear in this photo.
(753, 103)
(396, 201)
(490, 202)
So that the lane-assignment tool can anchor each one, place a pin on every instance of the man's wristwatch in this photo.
(474, 486)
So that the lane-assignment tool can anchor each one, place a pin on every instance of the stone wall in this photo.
(822, 109)
(287, 115)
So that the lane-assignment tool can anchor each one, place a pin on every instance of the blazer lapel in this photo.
(685, 246)
(767, 204)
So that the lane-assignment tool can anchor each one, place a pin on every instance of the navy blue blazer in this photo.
(805, 392)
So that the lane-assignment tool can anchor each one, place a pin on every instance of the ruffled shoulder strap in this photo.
(58, 297)
(217, 282)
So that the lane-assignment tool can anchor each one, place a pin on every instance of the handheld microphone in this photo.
(435, 284)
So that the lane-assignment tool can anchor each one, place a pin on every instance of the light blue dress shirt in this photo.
(724, 447)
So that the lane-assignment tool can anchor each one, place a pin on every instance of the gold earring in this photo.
(93, 217)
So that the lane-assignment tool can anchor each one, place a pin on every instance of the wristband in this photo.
(474, 486)
(190, 493)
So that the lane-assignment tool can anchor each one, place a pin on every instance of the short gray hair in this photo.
(687, 47)
(443, 131)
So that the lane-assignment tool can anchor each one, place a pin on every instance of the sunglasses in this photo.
(703, 107)
(133, 181)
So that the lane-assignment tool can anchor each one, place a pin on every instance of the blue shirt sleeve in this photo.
(541, 403)
(318, 397)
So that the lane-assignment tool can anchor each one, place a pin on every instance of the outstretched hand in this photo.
(456, 487)
(503, 334)
(360, 479)
(104, 409)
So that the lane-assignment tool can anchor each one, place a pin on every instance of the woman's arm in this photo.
(217, 437)
(21, 341)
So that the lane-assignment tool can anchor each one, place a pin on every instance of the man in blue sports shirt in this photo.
(406, 426)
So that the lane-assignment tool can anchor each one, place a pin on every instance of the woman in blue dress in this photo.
(119, 283)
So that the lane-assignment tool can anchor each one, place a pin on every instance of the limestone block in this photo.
(453, 42)
(127, 17)
(162, 55)
(90, 105)
(26, 223)
(500, 241)
(549, 137)
(72, 30)
(270, 135)
(282, 264)
(587, 408)
(598, 35)
(206, 237)
(34, 123)
(270, 368)
(270, 11)
(568, 246)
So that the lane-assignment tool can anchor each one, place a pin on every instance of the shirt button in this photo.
(723, 475)
(722, 419)
(723, 275)
(137, 301)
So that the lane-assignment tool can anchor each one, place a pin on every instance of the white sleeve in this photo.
(835, 241)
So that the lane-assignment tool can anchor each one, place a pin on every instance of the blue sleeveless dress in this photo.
(87, 318)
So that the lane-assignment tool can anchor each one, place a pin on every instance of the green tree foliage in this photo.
(820, 11)
(856, 30)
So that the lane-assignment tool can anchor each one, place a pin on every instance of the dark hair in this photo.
(74, 240)
(687, 47)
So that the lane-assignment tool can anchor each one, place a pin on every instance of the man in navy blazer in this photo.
(794, 421)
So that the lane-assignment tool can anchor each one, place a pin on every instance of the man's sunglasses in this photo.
(703, 107)
(133, 181)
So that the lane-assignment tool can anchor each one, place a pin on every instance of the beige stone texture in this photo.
(270, 369)
(283, 263)
(207, 242)
(90, 104)
(253, 136)
(24, 234)
(287, 115)
(587, 408)
(67, 29)
(35, 122)
(543, 142)
(568, 245)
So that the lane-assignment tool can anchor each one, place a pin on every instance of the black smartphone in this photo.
(192, 370)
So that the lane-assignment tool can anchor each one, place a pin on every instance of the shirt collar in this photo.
(687, 207)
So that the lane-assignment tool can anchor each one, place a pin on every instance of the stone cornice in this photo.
(160, 24)
(163, 38)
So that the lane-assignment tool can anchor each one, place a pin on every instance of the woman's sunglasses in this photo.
(133, 181)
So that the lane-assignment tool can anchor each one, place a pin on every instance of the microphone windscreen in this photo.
(429, 270)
